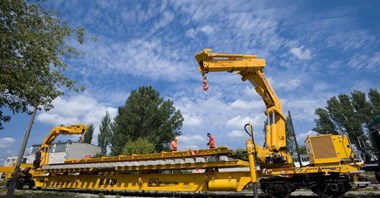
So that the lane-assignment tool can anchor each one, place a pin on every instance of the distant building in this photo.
(58, 153)
(304, 160)
(11, 161)
(61, 151)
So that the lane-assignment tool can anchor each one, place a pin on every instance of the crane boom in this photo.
(251, 68)
(78, 129)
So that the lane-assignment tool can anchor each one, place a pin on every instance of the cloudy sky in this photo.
(314, 50)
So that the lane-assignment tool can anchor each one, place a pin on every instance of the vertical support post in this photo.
(274, 132)
(255, 193)
(268, 132)
(13, 181)
(251, 152)
(295, 139)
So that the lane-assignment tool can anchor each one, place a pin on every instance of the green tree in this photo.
(140, 146)
(32, 54)
(302, 150)
(240, 154)
(290, 145)
(374, 98)
(145, 114)
(105, 132)
(347, 114)
(324, 123)
(89, 133)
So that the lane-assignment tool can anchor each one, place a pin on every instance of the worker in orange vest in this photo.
(211, 141)
(174, 145)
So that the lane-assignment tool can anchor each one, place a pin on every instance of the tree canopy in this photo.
(145, 115)
(290, 141)
(140, 146)
(105, 132)
(89, 133)
(348, 113)
(34, 45)
(240, 153)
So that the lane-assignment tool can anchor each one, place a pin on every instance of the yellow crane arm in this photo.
(250, 68)
(77, 129)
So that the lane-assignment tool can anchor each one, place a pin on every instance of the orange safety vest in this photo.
(173, 146)
(211, 142)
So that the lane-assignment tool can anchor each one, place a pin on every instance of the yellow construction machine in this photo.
(332, 163)
(42, 157)
(26, 174)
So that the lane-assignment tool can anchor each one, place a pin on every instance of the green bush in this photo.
(140, 146)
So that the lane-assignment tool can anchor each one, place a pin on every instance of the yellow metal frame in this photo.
(58, 130)
(213, 181)
(221, 150)
(161, 178)
(8, 170)
(328, 149)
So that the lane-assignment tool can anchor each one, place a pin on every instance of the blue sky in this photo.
(314, 50)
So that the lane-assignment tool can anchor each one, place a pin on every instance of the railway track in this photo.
(145, 194)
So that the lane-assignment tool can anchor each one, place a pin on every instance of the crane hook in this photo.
(204, 80)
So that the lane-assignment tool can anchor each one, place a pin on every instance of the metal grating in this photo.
(323, 147)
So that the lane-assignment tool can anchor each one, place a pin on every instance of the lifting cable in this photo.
(204, 80)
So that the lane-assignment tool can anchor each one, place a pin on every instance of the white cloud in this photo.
(365, 61)
(349, 40)
(320, 86)
(57, 119)
(238, 121)
(147, 58)
(6, 142)
(361, 85)
(166, 19)
(242, 104)
(117, 95)
(190, 120)
(334, 65)
(374, 61)
(77, 109)
(207, 29)
(191, 33)
(301, 137)
(358, 61)
(290, 84)
(303, 108)
(138, 13)
(190, 141)
(300, 53)
(237, 134)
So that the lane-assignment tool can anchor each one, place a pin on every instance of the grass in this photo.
(36, 194)
(40, 194)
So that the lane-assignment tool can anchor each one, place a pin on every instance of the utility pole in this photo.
(295, 139)
(12, 183)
